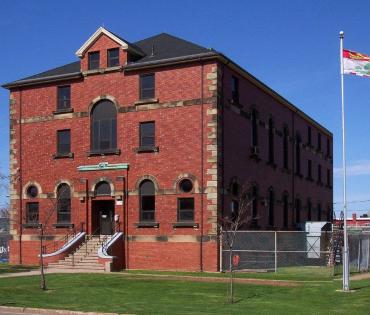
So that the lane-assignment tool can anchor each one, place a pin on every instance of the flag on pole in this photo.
(356, 63)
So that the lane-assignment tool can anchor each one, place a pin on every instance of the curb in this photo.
(29, 310)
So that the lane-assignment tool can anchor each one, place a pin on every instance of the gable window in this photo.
(309, 169)
(113, 57)
(285, 210)
(32, 212)
(147, 86)
(285, 147)
(104, 127)
(63, 204)
(103, 189)
(147, 201)
(235, 90)
(309, 135)
(185, 209)
(298, 155)
(271, 201)
(63, 142)
(64, 97)
(254, 127)
(319, 141)
(94, 60)
(271, 142)
(147, 134)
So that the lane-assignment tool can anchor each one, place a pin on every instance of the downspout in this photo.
(20, 179)
(220, 104)
(201, 167)
(87, 205)
(125, 231)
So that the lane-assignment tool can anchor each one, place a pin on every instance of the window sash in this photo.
(94, 60)
(235, 89)
(147, 207)
(147, 86)
(185, 210)
(63, 141)
(64, 97)
(32, 209)
(104, 134)
(147, 134)
(113, 57)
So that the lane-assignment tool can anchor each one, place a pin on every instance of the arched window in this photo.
(285, 209)
(102, 189)
(63, 204)
(147, 200)
(271, 201)
(104, 127)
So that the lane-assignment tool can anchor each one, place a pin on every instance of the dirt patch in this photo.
(361, 276)
(275, 283)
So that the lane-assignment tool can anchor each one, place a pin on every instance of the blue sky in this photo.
(292, 46)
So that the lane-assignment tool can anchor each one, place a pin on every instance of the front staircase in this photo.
(85, 258)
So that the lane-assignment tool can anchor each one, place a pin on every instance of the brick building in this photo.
(155, 139)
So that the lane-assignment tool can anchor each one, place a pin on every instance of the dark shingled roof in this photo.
(163, 45)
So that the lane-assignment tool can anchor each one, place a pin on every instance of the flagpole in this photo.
(345, 236)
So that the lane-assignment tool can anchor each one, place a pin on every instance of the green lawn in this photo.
(122, 294)
(6, 268)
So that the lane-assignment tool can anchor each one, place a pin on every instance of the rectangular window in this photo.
(319, 141)
(32, 212)
(271, 157)
(185, 209)
(63, 142)
(309, 169)
(235, 90)
(327, 147)
(94, 60)
(328, 178)
(297, 211)
(113, 57)
(254, 125)
(309, 135)
(285, 147)
(319, 173)
(147, 134)
(147, 86)
(64, 97)
(285, 210)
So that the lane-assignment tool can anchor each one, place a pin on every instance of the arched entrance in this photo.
(103, 210)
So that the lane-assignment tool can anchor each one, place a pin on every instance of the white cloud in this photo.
(361, 167)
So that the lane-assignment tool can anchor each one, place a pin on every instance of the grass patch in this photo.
(121, 294)
(6, 268)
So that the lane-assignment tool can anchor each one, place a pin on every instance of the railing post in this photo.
(275, 252)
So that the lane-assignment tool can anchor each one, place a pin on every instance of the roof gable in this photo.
(93, 38)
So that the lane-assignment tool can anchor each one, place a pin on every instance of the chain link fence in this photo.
(278, 250)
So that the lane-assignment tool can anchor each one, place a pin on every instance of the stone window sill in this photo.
(147, 225)
(104, 152)
(185, 225)
(31, 225)
(63, 225)
(147, 101)
(101, 70)
(63, 156)
(147, 149)
(63, 111)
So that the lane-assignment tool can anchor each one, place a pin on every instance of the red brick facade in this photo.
(200, 135)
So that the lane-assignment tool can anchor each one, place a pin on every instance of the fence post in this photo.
(359, 253)
(221, 240)
(275, 252)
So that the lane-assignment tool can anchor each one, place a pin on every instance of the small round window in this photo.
(32, 191)
(186, 185)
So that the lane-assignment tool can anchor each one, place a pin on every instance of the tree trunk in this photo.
(231, 288)
(42, 274)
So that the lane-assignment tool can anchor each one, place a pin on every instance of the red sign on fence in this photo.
(236, 260)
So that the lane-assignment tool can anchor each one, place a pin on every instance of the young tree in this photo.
(239, 217)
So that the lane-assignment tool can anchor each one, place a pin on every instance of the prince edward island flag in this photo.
(356, 63)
